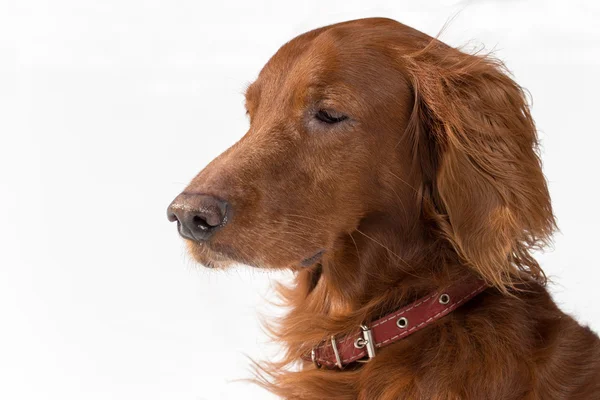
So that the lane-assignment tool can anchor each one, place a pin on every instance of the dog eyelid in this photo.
(330, 116)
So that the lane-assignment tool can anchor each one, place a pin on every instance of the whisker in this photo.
(303, 216)
(401, 204)
(357, 252)
(384, 246)
(403, 181)
(279, 242)
(298, 223)
(300, 235)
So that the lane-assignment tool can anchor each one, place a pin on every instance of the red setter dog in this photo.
(399, 177)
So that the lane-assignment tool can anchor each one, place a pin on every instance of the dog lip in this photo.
(307, 262)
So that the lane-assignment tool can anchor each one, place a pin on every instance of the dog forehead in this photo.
(305, 60)
(337, 62)
(327, 51)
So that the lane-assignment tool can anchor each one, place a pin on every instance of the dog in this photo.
(400, 179)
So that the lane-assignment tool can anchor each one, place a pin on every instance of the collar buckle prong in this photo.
(366, 341)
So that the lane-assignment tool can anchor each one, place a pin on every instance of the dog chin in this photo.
(209, 258)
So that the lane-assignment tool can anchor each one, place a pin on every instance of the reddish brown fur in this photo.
(434, 177)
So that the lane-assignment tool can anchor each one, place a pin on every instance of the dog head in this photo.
(373, 117)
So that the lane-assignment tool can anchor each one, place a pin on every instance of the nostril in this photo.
(202, 223)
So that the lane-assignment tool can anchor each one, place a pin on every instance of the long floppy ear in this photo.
(487, 189)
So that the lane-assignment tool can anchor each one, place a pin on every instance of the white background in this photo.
(107, 110)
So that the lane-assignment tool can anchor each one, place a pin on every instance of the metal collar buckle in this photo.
(365, 341)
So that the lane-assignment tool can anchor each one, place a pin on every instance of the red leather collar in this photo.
(394, 326)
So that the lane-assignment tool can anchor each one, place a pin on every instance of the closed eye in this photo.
(330, 116)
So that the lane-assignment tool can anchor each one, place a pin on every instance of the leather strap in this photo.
(394, 326)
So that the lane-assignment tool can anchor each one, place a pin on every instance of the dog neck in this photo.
(388, 256)
(381, 266)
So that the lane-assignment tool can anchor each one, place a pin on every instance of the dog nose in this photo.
(198, 216)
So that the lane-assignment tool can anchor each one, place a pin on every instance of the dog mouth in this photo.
(315, 258)
(219, 256)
